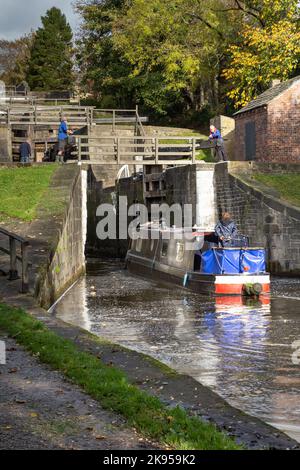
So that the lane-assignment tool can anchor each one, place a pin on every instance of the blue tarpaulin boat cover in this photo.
(233, 261)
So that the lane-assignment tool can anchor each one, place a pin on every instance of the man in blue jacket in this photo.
(226, 230)
(216, 137)
(215, 134)
(63, 134)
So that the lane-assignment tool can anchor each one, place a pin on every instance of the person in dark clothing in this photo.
(226, 230)
(216, 137)
(25, 152)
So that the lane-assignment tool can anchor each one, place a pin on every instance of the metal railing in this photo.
(14, 257)
(143, 150)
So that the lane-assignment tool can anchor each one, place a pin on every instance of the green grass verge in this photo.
(23, 189)
(205, 155)
(108, 385)
(288, 185)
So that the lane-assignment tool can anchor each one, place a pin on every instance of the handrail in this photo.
(139, 123)
(106, 110)
(25, 99)
(29, 114)
(141, 150)
(12, 252)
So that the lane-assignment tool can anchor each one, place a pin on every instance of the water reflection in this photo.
(242, 350)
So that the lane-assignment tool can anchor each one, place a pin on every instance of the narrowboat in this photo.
(187, 258)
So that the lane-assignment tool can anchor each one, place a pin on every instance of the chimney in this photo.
(275, 82)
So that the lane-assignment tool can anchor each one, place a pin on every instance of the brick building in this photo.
(268, 128)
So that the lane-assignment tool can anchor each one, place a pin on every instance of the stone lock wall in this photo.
(181, 187)
(100, 190)
(267, 221)
(193, 184)
(67, 261)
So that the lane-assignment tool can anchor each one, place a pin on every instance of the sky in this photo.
(18, 17)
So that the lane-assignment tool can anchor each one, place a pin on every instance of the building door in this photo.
(250, 140)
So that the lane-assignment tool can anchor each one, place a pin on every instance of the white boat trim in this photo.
(242, 279)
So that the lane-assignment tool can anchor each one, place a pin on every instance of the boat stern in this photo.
(242, 284)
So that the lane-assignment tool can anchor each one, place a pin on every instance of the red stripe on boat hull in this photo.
(236, 289)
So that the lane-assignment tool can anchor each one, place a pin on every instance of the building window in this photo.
(250, 140)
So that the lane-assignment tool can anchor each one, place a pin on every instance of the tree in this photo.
(14, 57)
(175, 49)
(268, 48)
(51, 63)
(183, 56)
(104, 71)
(157, 53)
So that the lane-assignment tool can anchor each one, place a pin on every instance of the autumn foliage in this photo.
(267, 50)
(175, 58)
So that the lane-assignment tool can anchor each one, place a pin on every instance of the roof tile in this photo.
(269, 95)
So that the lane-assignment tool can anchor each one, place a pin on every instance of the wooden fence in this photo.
(141, 150)
(77, 116)
(23, 100)
(45, 115)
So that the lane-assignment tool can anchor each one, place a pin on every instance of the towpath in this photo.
(39, 409)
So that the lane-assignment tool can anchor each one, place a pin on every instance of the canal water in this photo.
(247, 352)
